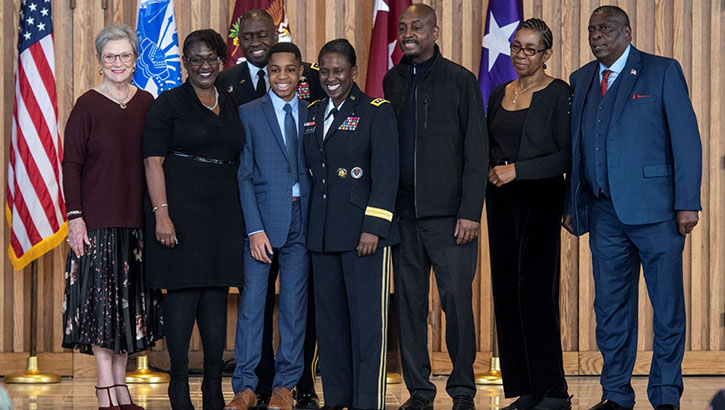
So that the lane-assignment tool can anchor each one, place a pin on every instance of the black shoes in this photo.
(263, 400)
(554, 403)
(179, 395)
(307, 400)
(525, 402)
(608, 405)
(463, 403)
(416, 403)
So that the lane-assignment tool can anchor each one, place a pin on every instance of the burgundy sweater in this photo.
(103, 173)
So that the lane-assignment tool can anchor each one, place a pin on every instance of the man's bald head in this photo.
(424, 13)
(418, 32)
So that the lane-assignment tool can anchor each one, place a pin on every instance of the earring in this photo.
(544, 66)
(134, 70)
(100, 72)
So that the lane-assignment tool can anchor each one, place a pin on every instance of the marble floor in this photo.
(78, 394)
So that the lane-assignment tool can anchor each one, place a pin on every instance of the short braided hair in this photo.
(540, 27)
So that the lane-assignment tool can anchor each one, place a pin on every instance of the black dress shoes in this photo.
(416, 403)
(307, 400)
(263, 400)
(608, 405)
(463, 403)
(667, 407)
(524, 402)
(554, 403)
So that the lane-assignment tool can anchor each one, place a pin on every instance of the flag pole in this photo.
(493, 376)
(32, 374)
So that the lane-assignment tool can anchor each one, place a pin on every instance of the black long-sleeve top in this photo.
(545, 149)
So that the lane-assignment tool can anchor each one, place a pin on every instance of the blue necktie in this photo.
(290, 131)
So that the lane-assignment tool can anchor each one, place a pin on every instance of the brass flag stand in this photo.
(32, 374)
(143, 374)
(493, 376)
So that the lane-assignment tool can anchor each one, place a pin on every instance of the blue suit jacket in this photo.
(265, 177)
(654, 154)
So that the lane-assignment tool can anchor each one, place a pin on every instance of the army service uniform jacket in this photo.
(355, 170)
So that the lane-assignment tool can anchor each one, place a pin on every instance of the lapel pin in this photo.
(633, 72)
(230, 88)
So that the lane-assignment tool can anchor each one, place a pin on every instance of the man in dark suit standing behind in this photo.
(635, 187)
(245, 82)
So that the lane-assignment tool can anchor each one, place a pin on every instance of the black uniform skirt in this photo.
(106, 302)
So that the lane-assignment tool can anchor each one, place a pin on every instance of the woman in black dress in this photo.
(192, 143)
(528, 127)
(107, 311)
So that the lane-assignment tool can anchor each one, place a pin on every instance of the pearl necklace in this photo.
(120, 101)
(216, 101)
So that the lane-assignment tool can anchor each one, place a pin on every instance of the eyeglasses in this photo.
(199, 61)
(527, 50)
(111, 58)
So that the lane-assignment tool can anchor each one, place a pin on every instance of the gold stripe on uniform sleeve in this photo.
(379, 213)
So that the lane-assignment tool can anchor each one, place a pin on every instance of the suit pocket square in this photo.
(638, 96)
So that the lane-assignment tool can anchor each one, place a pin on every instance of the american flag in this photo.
(35, 208)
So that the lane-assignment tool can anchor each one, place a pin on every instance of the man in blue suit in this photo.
(635, 187)
(274, 190)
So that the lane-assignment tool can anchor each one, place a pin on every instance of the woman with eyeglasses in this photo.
(530, 150)
(107, 310)
(194, 225)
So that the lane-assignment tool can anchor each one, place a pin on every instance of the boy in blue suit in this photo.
(635, 187)
(274, 190)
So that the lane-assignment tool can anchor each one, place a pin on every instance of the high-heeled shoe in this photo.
(110, 400)
(132, 406)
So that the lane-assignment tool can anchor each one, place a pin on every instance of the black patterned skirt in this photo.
(106, 302)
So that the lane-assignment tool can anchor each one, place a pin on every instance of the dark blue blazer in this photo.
(654, 154)
(265, 177)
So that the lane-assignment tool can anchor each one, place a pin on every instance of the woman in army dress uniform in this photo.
(351, 147)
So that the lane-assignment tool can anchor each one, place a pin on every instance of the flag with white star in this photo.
(502, 18)
(35, 206)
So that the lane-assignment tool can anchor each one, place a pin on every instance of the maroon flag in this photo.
(384, 50)
(275, 8)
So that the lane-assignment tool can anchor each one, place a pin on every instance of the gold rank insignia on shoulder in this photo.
(379, 101)
(315, 66)
(313, 103)
(342, 172)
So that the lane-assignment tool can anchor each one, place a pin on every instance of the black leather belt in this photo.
(204, 160)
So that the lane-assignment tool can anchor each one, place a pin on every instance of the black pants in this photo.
(206, 306)
(524, 228)
(265, 368)
(351, 295)
(424, 243)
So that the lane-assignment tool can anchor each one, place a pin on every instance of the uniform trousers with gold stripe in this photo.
(351, 298)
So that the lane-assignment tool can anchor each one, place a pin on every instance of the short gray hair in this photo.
(116, 32)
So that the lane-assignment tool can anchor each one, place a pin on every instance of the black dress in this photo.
(524, 225)
(203, 197)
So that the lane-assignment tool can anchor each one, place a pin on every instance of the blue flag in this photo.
(158, 68)
(502, 18)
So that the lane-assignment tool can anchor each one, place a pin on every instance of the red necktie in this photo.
(605, 77)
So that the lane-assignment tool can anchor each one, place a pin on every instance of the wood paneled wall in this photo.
(688, 30)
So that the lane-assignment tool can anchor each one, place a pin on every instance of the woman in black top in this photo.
(192, 141)
(528, 127)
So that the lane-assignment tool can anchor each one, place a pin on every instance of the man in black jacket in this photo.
(443, 170)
